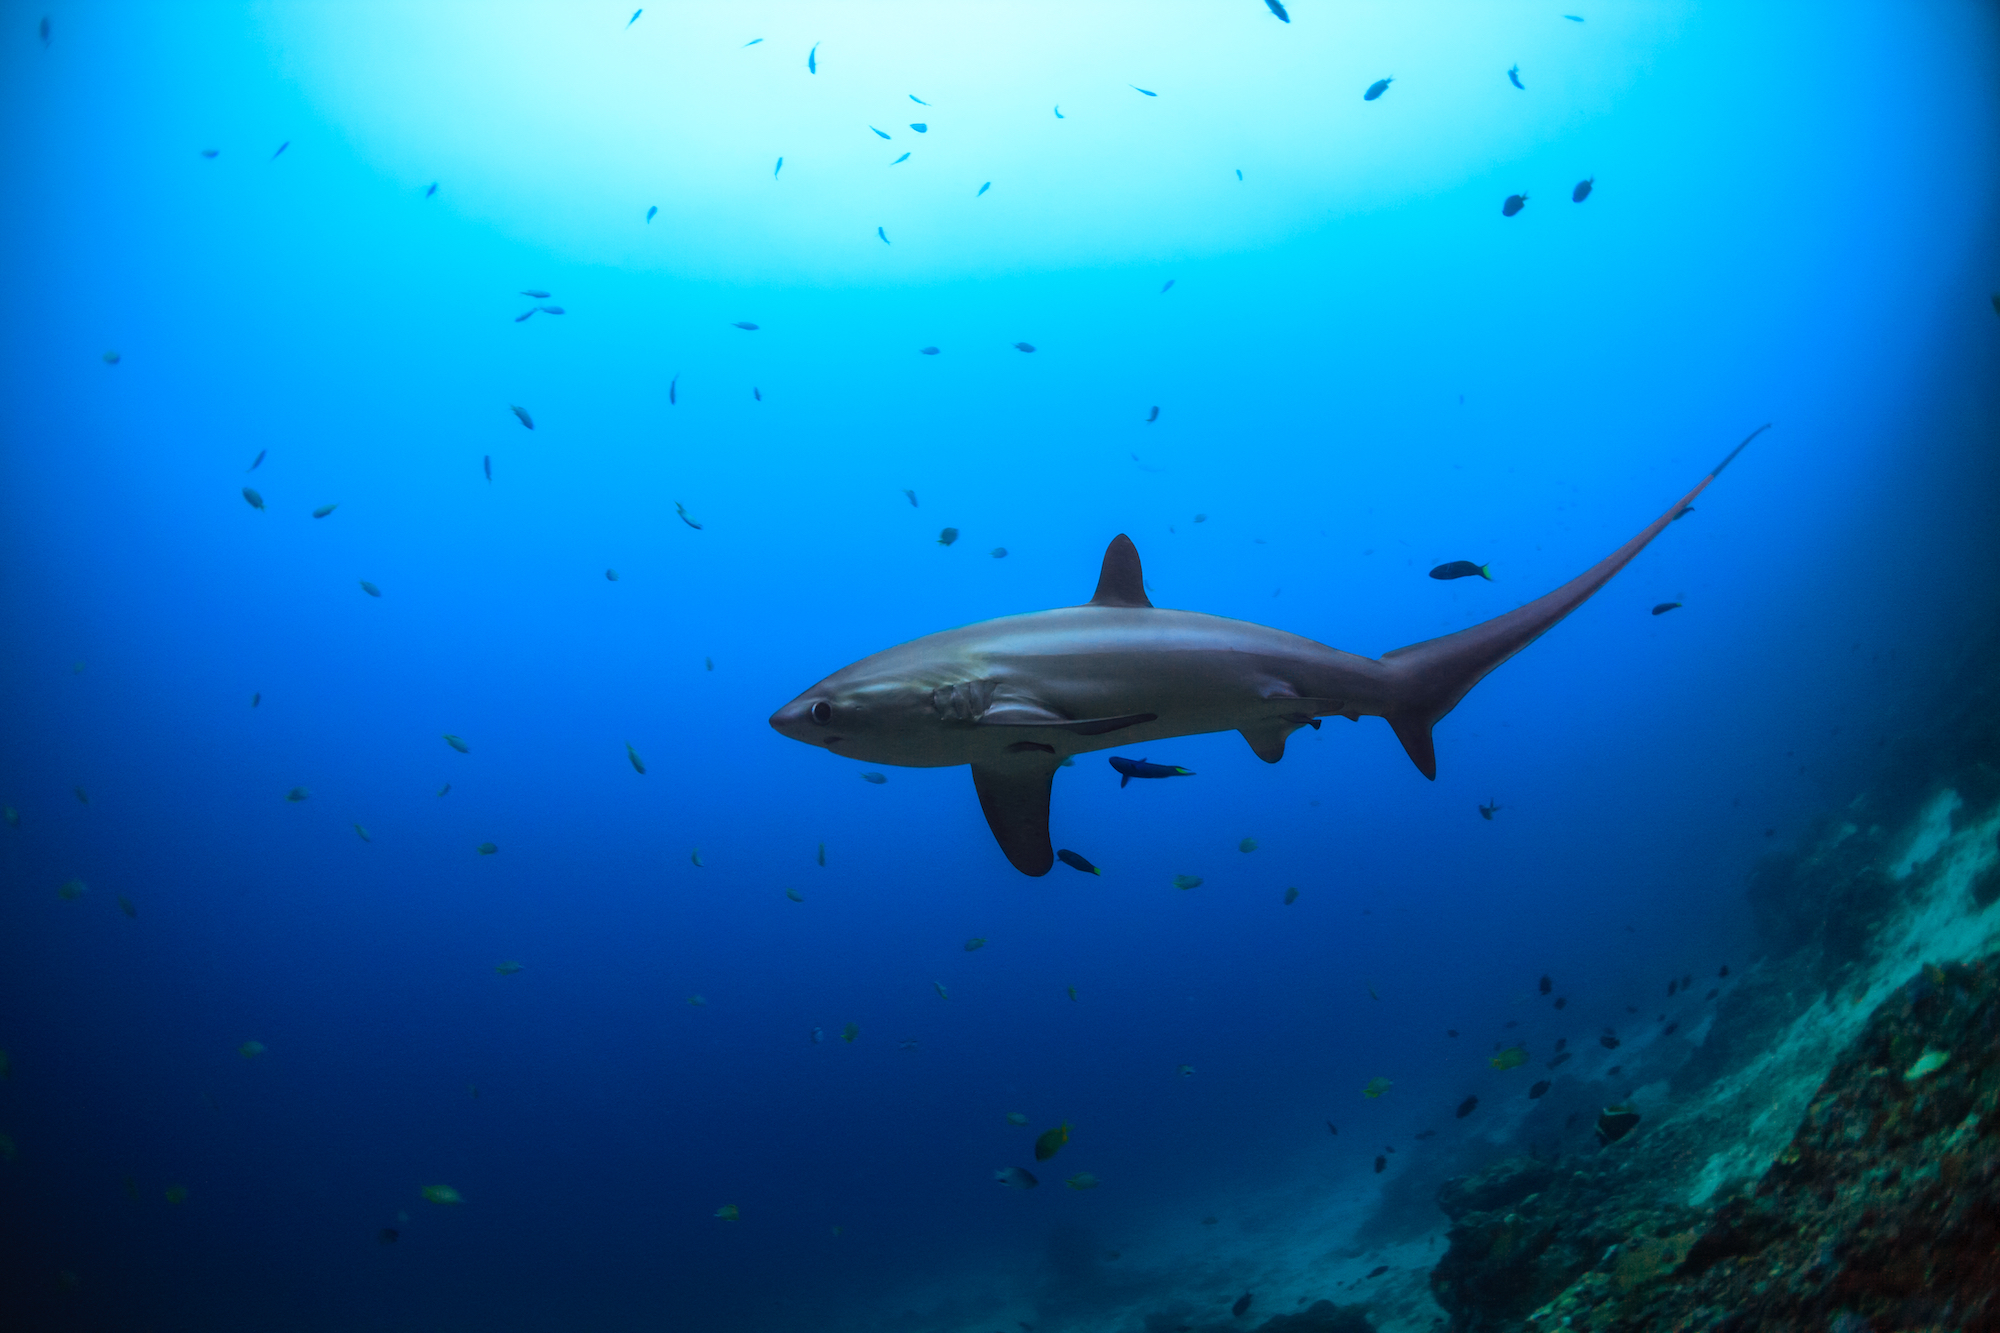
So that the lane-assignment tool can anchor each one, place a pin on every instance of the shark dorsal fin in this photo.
(1121, 582)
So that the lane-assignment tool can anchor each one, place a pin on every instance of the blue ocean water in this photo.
(224, 246)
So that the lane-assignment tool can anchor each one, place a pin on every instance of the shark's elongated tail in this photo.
(1429, 678)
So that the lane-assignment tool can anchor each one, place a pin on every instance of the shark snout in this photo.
(805, 719)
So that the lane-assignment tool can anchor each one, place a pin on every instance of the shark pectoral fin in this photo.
(1015, 798)
(1267, 739)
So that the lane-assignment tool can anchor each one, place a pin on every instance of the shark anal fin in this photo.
(1015, 798)
(1121, 581)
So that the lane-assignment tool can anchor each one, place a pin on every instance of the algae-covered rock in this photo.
(1505, 1182)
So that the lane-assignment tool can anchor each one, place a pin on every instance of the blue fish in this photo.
(282, 147)
(652, 212)
(1076, 862)
(1139, 768)
(485, 462)
(883, 234)
(1574, 18)
(1514, 77)
(752, 42)
(1239, 173)
(1278, 10)
(635, 17)
(879, 132)
(812, 58)
(1169, 286)
(1137, 89)
(1059, 114)
(673, 390)
(780, 167)
(920, 127)
(918, 100)
(904, 158)
(983, 189)
(1376, 89)
(433, 190)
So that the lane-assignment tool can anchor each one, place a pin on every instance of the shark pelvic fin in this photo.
(1121, 581)
(1015, 797)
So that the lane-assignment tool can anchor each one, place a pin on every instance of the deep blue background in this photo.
(1783, 230)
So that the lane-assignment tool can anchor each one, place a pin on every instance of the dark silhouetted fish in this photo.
(812, 57)
(1376, 89)
(1582, 190)
(1139, 768)
(927, 351)
(982, 189)
(673, 390)
(1467, 1107)
(522, 413)
(745, 325)
(1665, 607)
(1615, 1123)
(1137, 89)
(1486, 812)
(1278, 9)
(433, 190)
(1462, 569)
(1242, 1306)
(1376, 1271)
(1536, 1092)
(1514, 77)
(1153, 416)
(1545, 985)
(1381, 1164)
(258, 459)
(486, 463)
(1024, 347)
(1515, 203)
(1076, 862)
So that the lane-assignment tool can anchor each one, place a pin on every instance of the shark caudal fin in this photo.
(1430, 678)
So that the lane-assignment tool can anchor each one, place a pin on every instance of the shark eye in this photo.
(820, 712)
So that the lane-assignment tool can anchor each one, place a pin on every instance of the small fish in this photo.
(488, 848)
(324, 510)
(257, 460)
(72, 890)
(697, 1001)
(1168, 286)
(281, 148)
(177, 1194)
(1376, 89)
(362, 833)
(1514, 204)
(1082, 1180)
(525, 315)
(943, 994)
(1376, 1087)
(1152, 416)
(812, 58)
(911, 496)
(83, 798)
(1024, 347)
(297, 794)
(1016, 1118)
(251, 498)
(752, 42)
(611, 576)
(1278, 10)
(522, 413)
(1210, 1221)
(635, 17)
(1014, 1178)
(877, 779)
(1239, 173)
(1076, 862)
(1051, 1141)
(1608, 1042)
(1137, 89)
(457, 743)
(745, 325)
(13, 816)
(1615, 1123)
(1072, 994)
(1371, 990)
(1582, 190)
(535, 292)
(1247, 845)
(946, 536)
(918, 100)
(1059, 114)
(1574, 18)
(1514, 77)
(920, 127)
(998, 553)
(125, 906)
(508, 968)
(850, 1032)
(1510, 1058)
(1559, 1061)
(1139, 768)
(708, 662)
(1536, 1092)
(1928, 1063)
(551, 309)
(638, 765)
(1546, 984)
(899, 161)
(880, 134)
(1467, 1107)
(1185, 882)
(818, 1035)
(1381, 1165)
(1672, 986)
(1724, 971)
(757, 393)
(780, 167)
(250, 1050)
(694, 857)
(794, 895)
(432, 190)
(42, 30)
(880, 234)
(982, 189)
(387, 1236)
(1291, 896)
(907, 1044)
(444, 789)
(680, 510)
(1242, 1306)
(978, 942)
(728, 1212)
(1462, 569)
(1665, 607)
(1562, 1002)
(1486, 812)
(486, 464)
